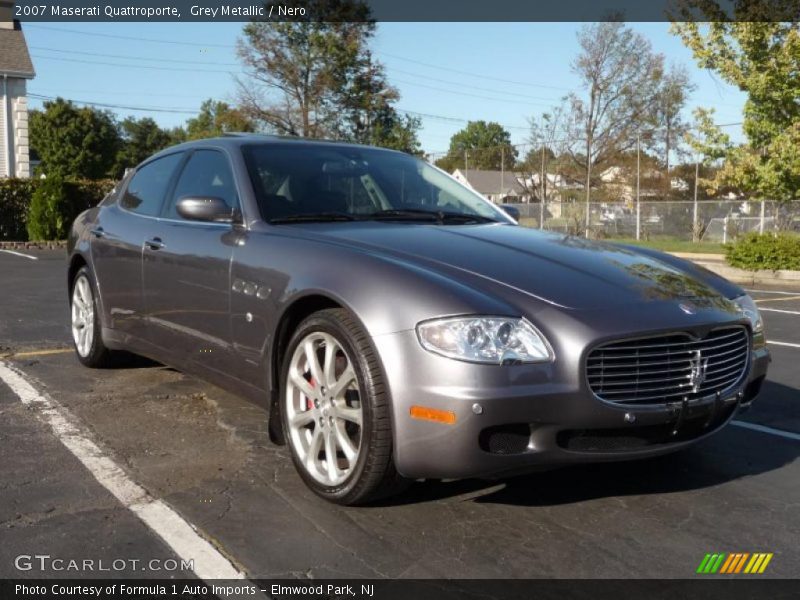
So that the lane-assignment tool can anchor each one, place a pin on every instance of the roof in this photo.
(235, 140)
(14, 57)
(492, 182)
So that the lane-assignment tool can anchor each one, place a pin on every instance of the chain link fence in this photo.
(706, 220)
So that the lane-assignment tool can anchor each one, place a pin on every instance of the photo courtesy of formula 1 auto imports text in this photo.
(378, 300)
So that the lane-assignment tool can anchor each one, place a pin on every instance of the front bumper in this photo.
(520, 418)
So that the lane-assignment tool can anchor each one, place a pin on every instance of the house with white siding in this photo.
(16, 69)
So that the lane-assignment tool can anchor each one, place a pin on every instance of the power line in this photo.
(203, 45)
(194, 62)
(472, 74)
(154, 109)
(467, 94)
(474, 87)
(127, 37)
(454, 119)
(118, 93)
(149, 67)
(190, 62)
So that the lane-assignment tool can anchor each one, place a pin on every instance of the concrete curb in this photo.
(716, 263)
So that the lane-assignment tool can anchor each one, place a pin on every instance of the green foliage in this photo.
(303, 72)
(487, 145)
(764, 251)
(15, 197)
(762, 58)
(141, 138)
(43, 209)
(74, 142)
(47, 215)
(215, 119)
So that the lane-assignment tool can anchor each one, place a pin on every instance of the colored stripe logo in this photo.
(734, 563)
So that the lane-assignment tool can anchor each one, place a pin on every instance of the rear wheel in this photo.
(335, 410)
(86, 336)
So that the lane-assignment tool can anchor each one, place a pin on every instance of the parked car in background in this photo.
(397, 325)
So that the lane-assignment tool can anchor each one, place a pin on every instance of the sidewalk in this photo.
(716, 263)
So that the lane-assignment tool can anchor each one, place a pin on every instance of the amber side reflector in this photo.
(433, 414)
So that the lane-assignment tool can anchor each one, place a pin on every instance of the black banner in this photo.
(730, 588)
(409, 10)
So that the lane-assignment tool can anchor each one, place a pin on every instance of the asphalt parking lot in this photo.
(205, 454)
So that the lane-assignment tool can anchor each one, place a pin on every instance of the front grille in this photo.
(668, 368)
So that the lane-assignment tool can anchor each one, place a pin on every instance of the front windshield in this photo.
(308, 180)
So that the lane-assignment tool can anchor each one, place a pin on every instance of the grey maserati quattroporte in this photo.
(395, 324)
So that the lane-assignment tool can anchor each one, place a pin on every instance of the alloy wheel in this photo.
(324, 408)
(83, 316)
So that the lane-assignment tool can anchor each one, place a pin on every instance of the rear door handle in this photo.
(98, 232)
(154, 243)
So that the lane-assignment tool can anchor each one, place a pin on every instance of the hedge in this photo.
(16, 196)
(765, 251)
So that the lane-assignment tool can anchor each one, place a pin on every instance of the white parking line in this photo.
(178, 534)
(772, 292)
(778, 310)
(20, 254)
(789, 344)
(764, 429)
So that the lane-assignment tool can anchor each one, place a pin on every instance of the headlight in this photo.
(749, 309)
(485, 340)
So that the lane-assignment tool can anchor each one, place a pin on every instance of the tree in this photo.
(215, 119)
(140, 139)
(300, 70)
(670, 127)
(368, 115)
(760, 56)
(621, 77)
(484, 145)
(74, 142)
(544, 136)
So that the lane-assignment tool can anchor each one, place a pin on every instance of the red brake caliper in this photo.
(309, 404)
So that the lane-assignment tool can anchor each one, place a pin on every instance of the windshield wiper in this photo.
(431, 216)
(322, 217)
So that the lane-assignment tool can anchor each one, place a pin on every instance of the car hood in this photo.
(562, 270)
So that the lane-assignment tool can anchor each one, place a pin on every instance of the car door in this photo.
(117, 240)
(186, 267)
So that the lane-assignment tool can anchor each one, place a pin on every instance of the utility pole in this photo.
(695, 229)
(465, 162)
(502, 167)
(638, 191)
(761, 222)
(543, 192)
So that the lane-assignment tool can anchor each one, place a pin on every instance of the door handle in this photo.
(154, 243)
(98, 232)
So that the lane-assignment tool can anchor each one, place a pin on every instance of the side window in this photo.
(147, 188)
(207, 173)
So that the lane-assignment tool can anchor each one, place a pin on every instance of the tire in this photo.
(345, 413)
(85, 322)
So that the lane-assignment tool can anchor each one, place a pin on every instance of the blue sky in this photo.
(504, 72)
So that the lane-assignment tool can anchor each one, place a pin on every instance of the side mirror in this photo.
(511, 211)
(205, 208)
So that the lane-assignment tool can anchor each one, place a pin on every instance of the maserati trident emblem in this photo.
(698, 373)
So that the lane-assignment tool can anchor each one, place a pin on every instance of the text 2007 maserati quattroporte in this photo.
(399, 326)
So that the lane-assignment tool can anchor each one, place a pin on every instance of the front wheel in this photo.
(335, 410)
(86, 335)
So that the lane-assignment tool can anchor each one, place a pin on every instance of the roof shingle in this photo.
(14, 57)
